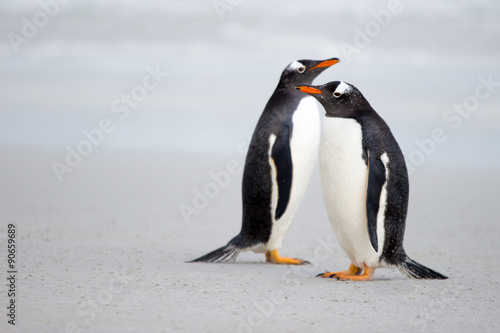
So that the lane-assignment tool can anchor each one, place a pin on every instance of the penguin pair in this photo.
(363, 176)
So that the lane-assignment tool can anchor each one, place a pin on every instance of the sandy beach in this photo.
(99, 254)
(108, 195)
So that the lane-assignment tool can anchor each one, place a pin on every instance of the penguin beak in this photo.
(326, 63)
(308, 90)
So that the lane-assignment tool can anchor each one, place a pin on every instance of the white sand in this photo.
(105, 250)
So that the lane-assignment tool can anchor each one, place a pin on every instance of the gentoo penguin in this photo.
(364, 183)
(278, 166)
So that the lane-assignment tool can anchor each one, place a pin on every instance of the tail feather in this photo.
(413, 269)
(226, 253)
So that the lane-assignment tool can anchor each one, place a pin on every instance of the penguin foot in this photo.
(353, 273)
(274, 258)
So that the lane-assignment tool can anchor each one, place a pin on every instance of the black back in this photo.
(378, 139)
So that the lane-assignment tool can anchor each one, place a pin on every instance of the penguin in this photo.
(365, 185)
(278, 166)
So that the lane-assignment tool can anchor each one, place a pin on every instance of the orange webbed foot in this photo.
(274, 258)
(353, 273)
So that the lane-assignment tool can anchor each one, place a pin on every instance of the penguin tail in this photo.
(226, 253)
(413, 269)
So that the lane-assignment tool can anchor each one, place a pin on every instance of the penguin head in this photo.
(304, 71)
(339, 98)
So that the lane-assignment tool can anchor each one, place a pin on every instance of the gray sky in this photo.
(66, 68)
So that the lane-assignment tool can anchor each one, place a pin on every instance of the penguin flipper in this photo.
(376, 181)
(281, 156)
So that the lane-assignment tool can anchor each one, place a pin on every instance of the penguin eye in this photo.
(301, 69)
(337, 94)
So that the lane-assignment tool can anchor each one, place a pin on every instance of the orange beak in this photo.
(326, 63)
(308, 90)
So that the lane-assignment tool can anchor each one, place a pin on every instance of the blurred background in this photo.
(124, 107)
(224, 60)
(115, 114)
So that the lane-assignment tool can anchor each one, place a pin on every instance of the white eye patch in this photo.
(295, 65)
(342, 88)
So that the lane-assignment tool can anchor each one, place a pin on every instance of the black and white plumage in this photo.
(278, 166)
(365, 184)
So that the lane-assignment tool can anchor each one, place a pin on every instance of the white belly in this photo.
(304, 147)
(344, 181)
